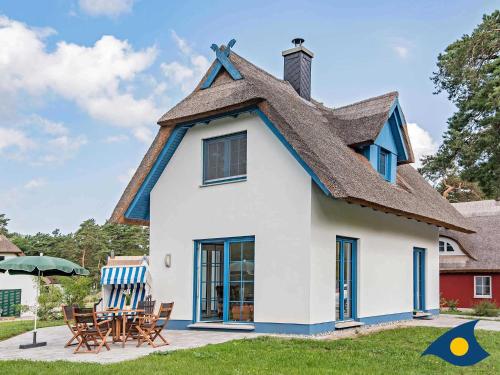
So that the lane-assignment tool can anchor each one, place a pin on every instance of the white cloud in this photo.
(91, 76)
(401, 51)
(48, 126)
(144, 134)
(111, 8)
(421, 142)
(13, 138)
(116, 138)
(185, 74)
(35, 183)
(127, 176)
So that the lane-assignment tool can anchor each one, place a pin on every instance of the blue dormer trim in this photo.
(222, 60)
(139, 209)
(395, 124)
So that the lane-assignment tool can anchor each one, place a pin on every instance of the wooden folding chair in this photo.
(151, 326)
(147, 306)
(70, 322)
(90, 329)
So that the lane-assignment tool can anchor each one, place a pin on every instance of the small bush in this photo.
(452, 304)
(485, 308)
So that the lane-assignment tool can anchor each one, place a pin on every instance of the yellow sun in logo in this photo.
(459, 346)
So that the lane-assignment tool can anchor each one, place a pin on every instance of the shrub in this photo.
(452, 304)
(485, 308)
(76, 290)
(49, 302)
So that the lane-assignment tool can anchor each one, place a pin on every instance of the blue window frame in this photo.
(346, 279)
(224, 280)
(418, 279)
(384, 164)
(225, 158)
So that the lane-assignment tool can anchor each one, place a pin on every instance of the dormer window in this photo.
(225, 158)
(446, 246)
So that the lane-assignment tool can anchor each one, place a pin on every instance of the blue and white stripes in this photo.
(117, 297)
(123, 275)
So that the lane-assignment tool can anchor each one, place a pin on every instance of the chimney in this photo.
(297, 68)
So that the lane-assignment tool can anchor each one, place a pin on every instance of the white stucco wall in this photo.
(385, 258)
(24, 282)
(273, 204)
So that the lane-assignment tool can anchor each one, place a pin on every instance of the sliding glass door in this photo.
(224, 275)
(345, 279)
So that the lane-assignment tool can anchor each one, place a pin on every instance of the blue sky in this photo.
(83, 82)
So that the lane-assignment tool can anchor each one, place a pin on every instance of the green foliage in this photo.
(3, 224)
(49, 302)
(485, 308)
(454, 189)
(89, 246)
(452, 304)
(469, 71)
(77, 290)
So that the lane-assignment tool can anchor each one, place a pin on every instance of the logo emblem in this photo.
(458, 346)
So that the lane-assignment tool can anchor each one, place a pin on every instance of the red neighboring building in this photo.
(470, 263)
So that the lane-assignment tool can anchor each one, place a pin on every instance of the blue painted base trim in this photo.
(178, 324)
(386, 318)
(433, 311)
(279, 328)
(295, 329)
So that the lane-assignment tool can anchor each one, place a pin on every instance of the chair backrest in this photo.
(147, 305)
(97, 304)
(165, 311)
(84, 315)
(67, 312)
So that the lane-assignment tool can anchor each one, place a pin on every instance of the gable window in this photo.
(384, 164)
(2, 257)
(225, 158)
(441, 245)
(482, 286)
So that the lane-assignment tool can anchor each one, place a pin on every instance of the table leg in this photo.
(124, 333)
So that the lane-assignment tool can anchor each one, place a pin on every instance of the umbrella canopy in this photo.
(44, 265)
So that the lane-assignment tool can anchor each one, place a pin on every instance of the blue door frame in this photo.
(197, 281)
(418, 279)
(354, 275)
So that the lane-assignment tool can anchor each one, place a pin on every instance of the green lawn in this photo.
(388, 352)
(9, 329)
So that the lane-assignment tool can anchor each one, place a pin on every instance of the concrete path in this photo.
(56, 337)
(445, 320)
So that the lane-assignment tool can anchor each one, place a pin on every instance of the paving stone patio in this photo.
(56, 337)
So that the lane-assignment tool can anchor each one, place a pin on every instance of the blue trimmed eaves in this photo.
(139, 209)
(391, 135)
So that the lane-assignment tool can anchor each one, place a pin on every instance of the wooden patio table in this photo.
(120, 316)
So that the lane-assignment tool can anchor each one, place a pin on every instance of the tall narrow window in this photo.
(225, 158)
(384, 164)
(482, 286)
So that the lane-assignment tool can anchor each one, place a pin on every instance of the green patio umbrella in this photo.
(40, 266)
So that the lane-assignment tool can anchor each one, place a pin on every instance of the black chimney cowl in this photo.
(297, 68)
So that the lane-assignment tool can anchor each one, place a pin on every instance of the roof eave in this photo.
(408, 215)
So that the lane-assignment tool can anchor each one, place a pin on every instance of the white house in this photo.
(272, 212)
(14, 289)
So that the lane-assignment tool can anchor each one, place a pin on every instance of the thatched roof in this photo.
(321, 136)
(483, 247)
(7, 247)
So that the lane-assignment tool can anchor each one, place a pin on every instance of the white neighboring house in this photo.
(270, 212)
(15, 289)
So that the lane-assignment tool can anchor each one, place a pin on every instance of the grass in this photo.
(394, 351)
(14, 328)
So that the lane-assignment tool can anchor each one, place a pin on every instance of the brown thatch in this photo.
(321, 137)
(483, 247)
(7, 247)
